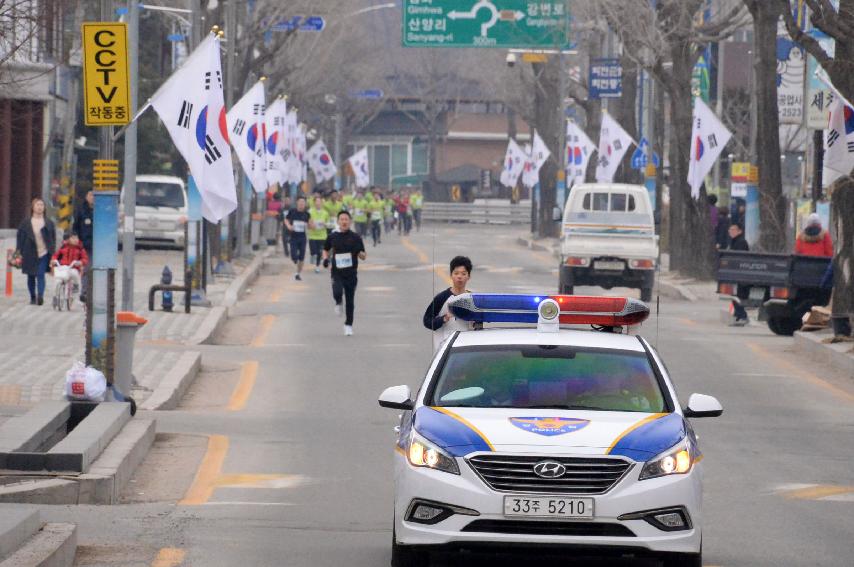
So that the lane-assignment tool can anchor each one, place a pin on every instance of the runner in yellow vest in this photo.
(416, 203)
(317, 231)
(359, 211)
(376, 208)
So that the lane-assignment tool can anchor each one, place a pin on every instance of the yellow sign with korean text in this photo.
(106, 89)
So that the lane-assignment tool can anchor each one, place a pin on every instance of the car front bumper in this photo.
(467, 491)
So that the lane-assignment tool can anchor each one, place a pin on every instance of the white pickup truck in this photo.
(609, 239)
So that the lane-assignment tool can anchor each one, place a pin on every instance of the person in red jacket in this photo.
(814, 240)
(72, 254)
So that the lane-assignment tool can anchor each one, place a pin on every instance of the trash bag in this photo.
(84, 383)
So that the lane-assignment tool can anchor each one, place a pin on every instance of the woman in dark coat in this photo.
(36, 243)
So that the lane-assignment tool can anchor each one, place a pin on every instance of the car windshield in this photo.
(150, 194)
(553, 377)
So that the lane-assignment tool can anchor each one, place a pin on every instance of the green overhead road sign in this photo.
(486, 23)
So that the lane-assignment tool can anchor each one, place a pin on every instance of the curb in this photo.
(55, 545)
(532, 245)
(171, 389)
(219, 314)
(241, 282)
(113, 469)
(209, 327)
(837, 355)
(102, 484)
(674, 291)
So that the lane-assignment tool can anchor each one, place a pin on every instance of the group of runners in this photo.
(332, 228)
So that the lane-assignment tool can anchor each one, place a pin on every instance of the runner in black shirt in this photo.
(344, 249)
(297, 223)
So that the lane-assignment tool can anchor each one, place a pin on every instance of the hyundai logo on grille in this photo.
(549, 469)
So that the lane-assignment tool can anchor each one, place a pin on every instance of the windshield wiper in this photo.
(568, 407)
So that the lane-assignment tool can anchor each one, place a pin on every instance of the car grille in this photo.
(527, 527)
(515, 473)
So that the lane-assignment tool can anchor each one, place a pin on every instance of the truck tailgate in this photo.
(754, 268)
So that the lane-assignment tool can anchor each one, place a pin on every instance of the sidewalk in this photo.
(38, 344)
(671, 284)
(817, 346)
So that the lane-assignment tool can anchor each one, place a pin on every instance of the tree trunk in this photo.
(842, 200)
(691, 249)
(772, 202)
(626, 115)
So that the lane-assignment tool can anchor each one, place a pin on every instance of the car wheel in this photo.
(646, 294)
(784, 326)
(407, 555)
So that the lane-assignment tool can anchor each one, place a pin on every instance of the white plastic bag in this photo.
(84, 383)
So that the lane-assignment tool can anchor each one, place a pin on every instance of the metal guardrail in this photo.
(477, 213)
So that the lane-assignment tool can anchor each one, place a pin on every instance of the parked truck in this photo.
(609, 239)
(784, 287)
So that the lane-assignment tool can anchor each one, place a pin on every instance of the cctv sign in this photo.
(105, 73)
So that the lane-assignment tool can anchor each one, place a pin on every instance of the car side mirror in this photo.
(700, 405)
(397, 397)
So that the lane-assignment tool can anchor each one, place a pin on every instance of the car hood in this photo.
(639, 436)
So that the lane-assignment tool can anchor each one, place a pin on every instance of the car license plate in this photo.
(609, 266)
(546, 507)
(757, 293)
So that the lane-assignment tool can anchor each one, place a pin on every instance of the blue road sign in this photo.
(640, 157)
(368, 94)
(176, 37)
(300, 23)
(606, 78)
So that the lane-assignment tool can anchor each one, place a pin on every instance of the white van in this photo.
(609, 239)
(161, 210)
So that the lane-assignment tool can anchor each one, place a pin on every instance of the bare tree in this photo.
(772, 210)
(670, 40)
(840, 68)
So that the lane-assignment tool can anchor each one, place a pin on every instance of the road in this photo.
(280, 455)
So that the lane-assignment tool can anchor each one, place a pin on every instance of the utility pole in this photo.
(129, 236)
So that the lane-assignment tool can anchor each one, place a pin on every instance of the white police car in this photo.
(543, 437)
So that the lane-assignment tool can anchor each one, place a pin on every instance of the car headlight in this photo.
(676, 460)
(423, 453)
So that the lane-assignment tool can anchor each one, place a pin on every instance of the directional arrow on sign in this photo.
(472, 14)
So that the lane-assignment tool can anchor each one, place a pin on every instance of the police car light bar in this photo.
(537, 309)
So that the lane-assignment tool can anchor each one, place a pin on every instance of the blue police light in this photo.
(573, 309)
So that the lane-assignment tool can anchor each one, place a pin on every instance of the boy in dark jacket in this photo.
(738, 242)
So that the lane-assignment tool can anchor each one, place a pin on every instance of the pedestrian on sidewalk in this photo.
(344, 249)
(297, 223)
(738, 242)
(36, 243)
(814, 240)
(438, 318)
(84, 221)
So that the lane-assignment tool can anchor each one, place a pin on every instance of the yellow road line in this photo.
(803, 374)
(276, 296)
(689, 322)
(209, 470)
(816, 492)
(422, 257)
(169, 557)
(644, 421)
(263, 331)
(244, 386)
